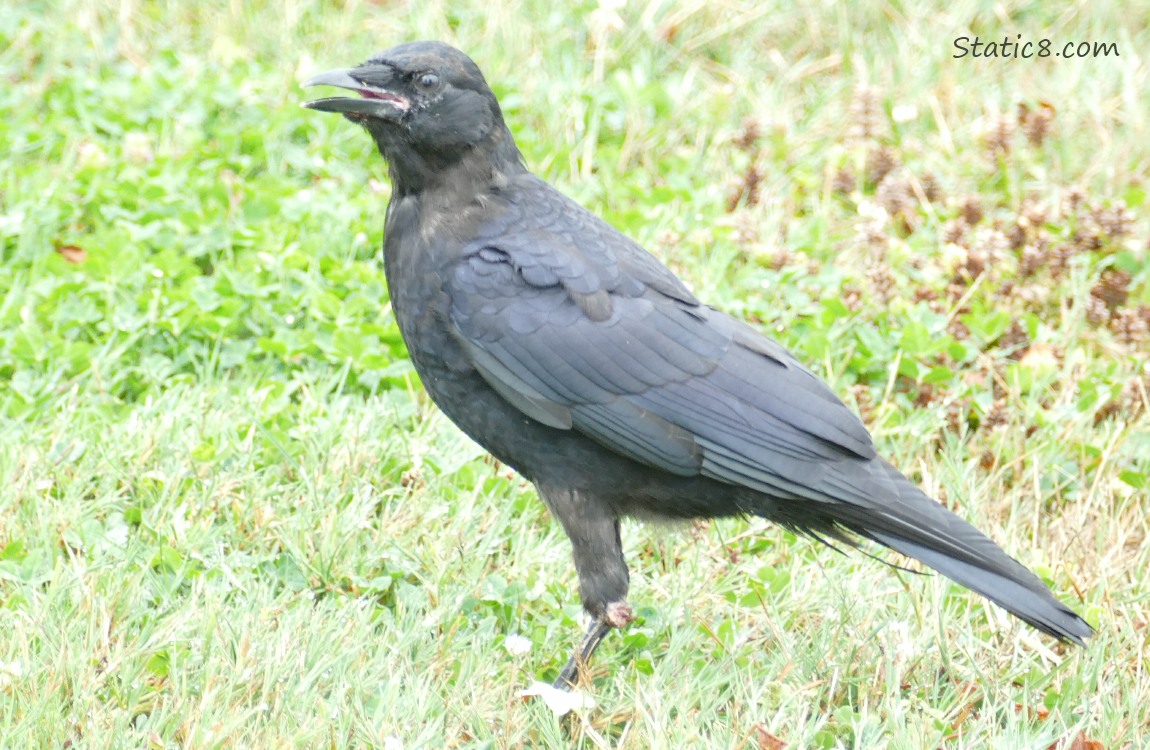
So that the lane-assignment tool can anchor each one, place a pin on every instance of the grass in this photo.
(231, 517)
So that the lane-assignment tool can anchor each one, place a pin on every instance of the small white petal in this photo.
(561, 702)
(903, 113)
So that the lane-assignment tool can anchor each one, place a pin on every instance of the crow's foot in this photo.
(617, 615)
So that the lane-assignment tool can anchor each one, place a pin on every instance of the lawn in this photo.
(231, 518)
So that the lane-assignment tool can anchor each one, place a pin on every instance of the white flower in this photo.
(516, 644)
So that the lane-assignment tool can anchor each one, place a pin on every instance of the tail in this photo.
(919, 527)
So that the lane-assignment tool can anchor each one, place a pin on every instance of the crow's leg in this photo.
(593, 529)
(619, 614)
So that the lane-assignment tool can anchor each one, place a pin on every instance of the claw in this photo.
(618, 615)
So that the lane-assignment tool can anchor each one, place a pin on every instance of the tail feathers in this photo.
(1020, 598)
(920, 527)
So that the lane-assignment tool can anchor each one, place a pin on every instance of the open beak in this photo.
(373, 101)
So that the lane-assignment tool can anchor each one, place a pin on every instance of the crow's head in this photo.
(427, 106)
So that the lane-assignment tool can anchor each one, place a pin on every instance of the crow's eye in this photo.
(428, 81)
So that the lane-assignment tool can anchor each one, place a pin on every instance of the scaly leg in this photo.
(618, 616)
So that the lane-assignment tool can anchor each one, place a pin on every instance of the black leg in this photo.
(618, 615)
(596, 632)
(593, 530)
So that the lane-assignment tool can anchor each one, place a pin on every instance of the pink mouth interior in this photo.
(398, 101)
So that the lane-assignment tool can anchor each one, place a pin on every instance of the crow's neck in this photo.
(477, 170)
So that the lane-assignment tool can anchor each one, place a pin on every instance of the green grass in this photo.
(229, 516)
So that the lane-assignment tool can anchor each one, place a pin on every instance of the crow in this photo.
(574, 356)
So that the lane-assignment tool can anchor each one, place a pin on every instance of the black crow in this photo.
(578, 359)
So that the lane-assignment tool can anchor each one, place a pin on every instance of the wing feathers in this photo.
(673, 385)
